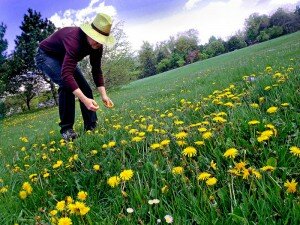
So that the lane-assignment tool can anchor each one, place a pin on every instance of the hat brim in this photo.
(102, 39)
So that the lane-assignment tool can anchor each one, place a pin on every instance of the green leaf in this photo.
(272, 162)
(238, 219)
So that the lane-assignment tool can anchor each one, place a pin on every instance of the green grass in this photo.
(159, 108)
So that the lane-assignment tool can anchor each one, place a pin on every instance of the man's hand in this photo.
(107, 101)
(91, 104)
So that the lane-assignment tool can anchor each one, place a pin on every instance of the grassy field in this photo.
(214, 142)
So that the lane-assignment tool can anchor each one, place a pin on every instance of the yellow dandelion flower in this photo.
(94, 152)
(123, 142)
(229, 104)
(211, 181)
(113, 181)
(57, 164)
(231, 153)
(268, 69)
(60, 206)
(271, 126)
(246, 174)
(155, 146)
(81, 208)
(165, 142)
(207, 135)
(181, 143)
(164, 189)
(82, 195)
(189, 151)
(69, 200)
(111, 144)
(261, 99)
(213, 165)
(96, 167)
(241, 165)
(234, 171)
(268, 168)
(137, 139)
(181, 135)
(291, 186)
(65, 221)
(200, 143)
(24, 139)
(253, 122)
(46, 175)
(126, 175)
(272, 109)
(254, 105)
(204, 176)
(23, 194)
(256, 173)
(150, 128)
(178, 122)
(295, 151)
(265, 135)
(53, 212)
(285, 104)
(219, 119)
(141, 134)
(4, 189)
(267, 88)
(263, 138)
(202, 129)
(133, 131)
(27, 187)
(177, 170)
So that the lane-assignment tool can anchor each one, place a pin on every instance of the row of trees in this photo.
(20, 77)
(184, 48)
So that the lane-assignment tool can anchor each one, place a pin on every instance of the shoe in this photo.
(91, 127)
(69, 135)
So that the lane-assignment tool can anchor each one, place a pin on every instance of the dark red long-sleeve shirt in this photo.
(70, 45)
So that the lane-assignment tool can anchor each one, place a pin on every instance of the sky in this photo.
(145, 20)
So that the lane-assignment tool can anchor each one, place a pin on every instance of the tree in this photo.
(3, 47)
(236, 42)
(290, 22)
(214, 47)
(186, 45)
(34, 29)
(118, 65)
(253, 25)
(146, 59)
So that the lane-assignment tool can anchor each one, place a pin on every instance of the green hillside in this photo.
(214, 142)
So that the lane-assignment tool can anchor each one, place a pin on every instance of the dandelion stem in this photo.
(230, 193)
(233, 192)
(274, 181)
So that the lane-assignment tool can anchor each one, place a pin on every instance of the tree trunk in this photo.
(28, 103)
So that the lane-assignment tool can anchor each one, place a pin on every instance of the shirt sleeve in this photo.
(95, 60)
(69, 64)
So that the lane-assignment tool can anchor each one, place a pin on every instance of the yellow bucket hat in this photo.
(99, 29)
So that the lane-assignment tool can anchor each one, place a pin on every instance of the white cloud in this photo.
(191, 3)
(72, 17)
(280, 2)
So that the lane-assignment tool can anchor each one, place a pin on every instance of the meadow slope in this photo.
(214, 142)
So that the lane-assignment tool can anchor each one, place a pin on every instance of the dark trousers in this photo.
(52, 68)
